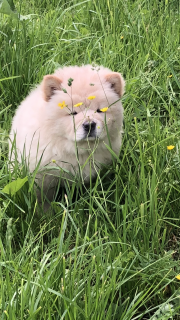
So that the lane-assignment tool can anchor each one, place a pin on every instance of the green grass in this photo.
(110, 251)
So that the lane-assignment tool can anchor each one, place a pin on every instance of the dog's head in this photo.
(84, 103)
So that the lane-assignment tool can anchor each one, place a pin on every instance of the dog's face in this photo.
(89, 108)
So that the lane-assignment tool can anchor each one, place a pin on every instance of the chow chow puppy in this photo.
(64, 124)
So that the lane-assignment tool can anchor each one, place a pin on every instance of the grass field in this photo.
(111, 251)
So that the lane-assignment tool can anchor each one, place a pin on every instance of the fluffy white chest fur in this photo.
(66, 122)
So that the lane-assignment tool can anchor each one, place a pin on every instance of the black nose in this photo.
(89, 127)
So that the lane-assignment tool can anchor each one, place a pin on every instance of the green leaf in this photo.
(8, 7)
(14, 186)
(11, 3)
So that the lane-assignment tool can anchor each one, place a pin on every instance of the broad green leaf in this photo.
(14, 186)
(8, 7)
(11, 3)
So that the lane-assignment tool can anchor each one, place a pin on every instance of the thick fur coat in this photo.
(68, 126)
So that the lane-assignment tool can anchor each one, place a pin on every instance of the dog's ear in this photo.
(49, 85)
(117, 82)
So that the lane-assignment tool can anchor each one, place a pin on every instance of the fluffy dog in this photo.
(65, 124)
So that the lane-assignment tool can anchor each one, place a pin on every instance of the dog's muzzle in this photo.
(89, 129)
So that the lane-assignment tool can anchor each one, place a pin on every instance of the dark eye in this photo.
(74, 113)
(98, 110)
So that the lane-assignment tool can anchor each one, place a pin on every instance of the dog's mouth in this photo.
(90, 136)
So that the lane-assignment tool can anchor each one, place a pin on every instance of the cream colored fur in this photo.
(45, 130)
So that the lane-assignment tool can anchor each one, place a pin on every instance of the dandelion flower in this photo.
(78, 104)
(170, 147)
(62, 105)
(122, 37)
(53, 161)
(91, 97)
(178, 277)
(104, 109)
(170, 76)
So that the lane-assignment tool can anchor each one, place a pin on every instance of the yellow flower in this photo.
(91, 97)
(170, 76)
(98, 127)
(178, 277)
(104, 109)
(122, 37)
(78, 104)
(62, 105)
(53, 161)
(170, 147)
